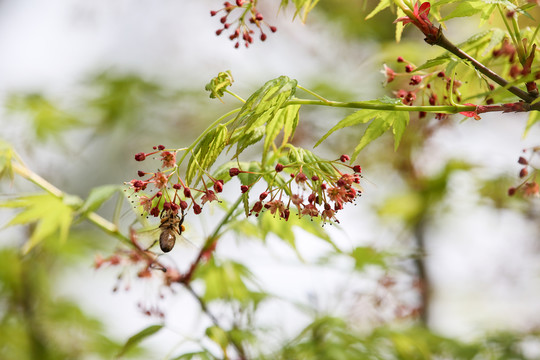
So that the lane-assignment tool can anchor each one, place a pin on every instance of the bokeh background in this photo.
(86, 85)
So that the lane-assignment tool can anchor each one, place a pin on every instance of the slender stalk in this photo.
(94, 218)
(445, 109)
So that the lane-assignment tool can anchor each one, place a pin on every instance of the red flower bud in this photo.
(244, 189)
(218, 186)
(523, 161)
(197, 209)
(161, 147)
(187, 192)
(140, 156)
(279, 167)
(357, 168)
(344, 158)
(141, 173)
(233, 172)
(524, 172)
(263, 195)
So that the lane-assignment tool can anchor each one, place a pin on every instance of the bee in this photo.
(171, 225)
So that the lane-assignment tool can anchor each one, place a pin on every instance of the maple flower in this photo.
(419, 17)
(168, 158)
(209, 196)
(275, 205)
(146, 203)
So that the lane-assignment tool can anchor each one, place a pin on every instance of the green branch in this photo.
(445, 109)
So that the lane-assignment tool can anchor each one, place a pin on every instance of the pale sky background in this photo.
(484, 265)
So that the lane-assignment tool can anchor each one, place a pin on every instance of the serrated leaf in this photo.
(359, 117)
(401, 121)
(383, 4)
(374, 130)
(206, 152)
(249, 138)
(98, 196)
(138, 337)
(534, 117)
(264, 102)
(50, 213)
(466, 8)
(439, 60)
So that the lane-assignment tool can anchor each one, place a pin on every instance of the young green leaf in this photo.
(138, 337)
(51, 214)
(206, 152)
(219, 84)
(359, 117)
(262, 105)
(374, 130)
(401, 121)
(98, 196)
(383, 4)
(285, 119)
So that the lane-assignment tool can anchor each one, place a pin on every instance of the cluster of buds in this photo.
(314, 195)
(240, 26)
(529, 186)
(172, 193)
(422, 88)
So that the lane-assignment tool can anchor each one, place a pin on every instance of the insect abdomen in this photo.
(166, 241)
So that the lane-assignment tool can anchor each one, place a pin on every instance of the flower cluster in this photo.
(423, 88)
(529, 186)
(171, 192)
(312, 193)
(144, 261)
(240, 26)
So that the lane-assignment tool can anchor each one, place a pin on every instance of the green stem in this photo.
(235, 95)
(99, 221)
(312, 93)
(445, 109)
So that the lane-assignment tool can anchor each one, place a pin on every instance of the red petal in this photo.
(424, 9)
